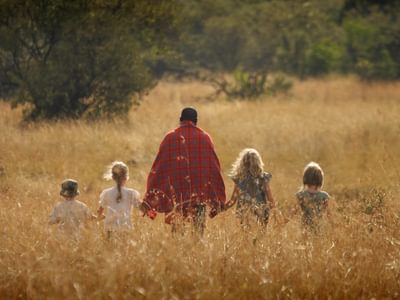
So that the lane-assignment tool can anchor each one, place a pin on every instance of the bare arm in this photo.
(54, 218)
(296, 208)
(100, 213)
(269, 195)
(144, 207)
(54, 221)
(234, 197)
(328, 211)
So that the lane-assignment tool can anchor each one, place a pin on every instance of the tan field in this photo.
(351, 128)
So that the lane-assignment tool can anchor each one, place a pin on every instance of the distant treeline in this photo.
(74, 58)
(303, 38)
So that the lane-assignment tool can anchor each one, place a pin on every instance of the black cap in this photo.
(189, 114)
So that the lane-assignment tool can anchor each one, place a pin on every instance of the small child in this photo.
(312, 201)
(70, 214)
(252, 191)
(118, 200)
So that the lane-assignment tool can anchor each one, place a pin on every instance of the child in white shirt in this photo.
(71, 214)
(118, 201)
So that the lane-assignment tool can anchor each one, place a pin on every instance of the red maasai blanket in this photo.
(185, 173)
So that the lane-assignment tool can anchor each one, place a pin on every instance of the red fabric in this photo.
(185, 173)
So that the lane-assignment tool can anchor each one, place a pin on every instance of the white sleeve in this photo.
(53, 217)
(103, 199)
(135, 199)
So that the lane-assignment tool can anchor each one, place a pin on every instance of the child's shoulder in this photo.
(80, 203)
(300, 194)
(306, 194)
(107, 190)
(267, 176)
(59, 204)
(131, 191)
(323, 195)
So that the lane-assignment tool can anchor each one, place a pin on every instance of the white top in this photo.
(70, 215)
(118, 214)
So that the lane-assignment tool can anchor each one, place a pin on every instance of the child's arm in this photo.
(89, 215)
(296, 208)
(269, 195)
(139, 204)
(100, 213)
(234, 197)
(54, 218)
(54, 221)
(328, 211)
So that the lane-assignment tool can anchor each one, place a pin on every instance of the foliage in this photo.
(244, 85)
(248, 85)
(77, 58)
(325, 57)
(303, 38)
(369, 44)
(279, 84)
(95, 57)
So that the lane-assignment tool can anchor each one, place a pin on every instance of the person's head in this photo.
(69, 189)
(119, 172)
(248, 164)
(313, 176)
(189, 114)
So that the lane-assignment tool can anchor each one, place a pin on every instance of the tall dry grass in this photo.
(351, 128)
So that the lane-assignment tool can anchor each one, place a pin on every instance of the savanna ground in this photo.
(351, 128)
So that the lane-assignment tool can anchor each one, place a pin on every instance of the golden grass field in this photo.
(351, 128)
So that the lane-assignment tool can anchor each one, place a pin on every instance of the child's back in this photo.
(312, 201)
(313, 204)
(70, 215)
(118, 213)
(251, 192)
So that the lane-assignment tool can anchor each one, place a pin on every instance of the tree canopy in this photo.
(79, 57)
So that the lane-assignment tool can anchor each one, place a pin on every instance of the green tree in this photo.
(370, 42)
(76, 58)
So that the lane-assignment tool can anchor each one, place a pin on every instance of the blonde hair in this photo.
(247, 165)
(117, 171)
(313, 175)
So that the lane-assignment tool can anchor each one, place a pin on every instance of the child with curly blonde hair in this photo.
(118, 200)
(252, 191)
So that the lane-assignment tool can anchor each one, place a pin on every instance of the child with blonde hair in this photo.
(311, 199)
(71, 214)
(118, 200)
(252, 192)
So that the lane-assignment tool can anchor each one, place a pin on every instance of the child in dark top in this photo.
(252, 192)
(311, 199)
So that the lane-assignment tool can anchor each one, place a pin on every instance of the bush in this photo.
(383, 68)
(368, 44)
(245, 85)
(325, 57)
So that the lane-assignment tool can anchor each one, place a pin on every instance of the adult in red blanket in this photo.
(186, 175)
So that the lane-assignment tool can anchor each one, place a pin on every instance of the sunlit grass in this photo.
(352, 129)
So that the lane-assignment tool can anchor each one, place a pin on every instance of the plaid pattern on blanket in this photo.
(186, 173)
